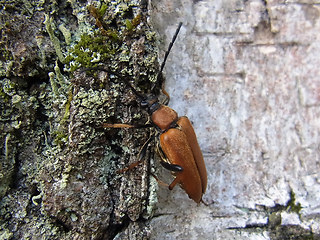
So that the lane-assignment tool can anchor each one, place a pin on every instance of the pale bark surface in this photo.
(246, 73)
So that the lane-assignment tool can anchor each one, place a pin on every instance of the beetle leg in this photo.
(143, 150)
(159, 181)
(174, 183)
(117, 125)
(124, 125)
(131, 166)
(141, 155)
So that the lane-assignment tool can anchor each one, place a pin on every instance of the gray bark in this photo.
(246, 74)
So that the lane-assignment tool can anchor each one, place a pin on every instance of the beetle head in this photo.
(151, 103)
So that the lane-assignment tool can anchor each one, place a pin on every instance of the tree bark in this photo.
(246, 74)
(62, 71)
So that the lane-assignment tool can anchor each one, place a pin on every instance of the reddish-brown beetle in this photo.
(177, 145)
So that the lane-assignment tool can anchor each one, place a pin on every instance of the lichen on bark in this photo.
(59, 176)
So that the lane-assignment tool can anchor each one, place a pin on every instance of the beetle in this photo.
(177, 143)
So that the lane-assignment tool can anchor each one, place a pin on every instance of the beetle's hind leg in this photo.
(174, 182)
(159, 181)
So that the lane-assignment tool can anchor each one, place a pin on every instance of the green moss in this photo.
(60, 137)
(131, 25)
(292, 206)
(103, 9)
(113, 35)
(89, 51)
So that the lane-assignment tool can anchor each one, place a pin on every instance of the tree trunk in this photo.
(246, 74)
(62, 72)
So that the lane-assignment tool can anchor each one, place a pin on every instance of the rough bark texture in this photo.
(246, 74)
(58, 176)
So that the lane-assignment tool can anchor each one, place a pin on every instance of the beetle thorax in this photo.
(164, 117)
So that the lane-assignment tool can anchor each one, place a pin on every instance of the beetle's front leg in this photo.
(124, 125)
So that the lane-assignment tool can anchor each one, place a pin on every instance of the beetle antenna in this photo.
(169, 49)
